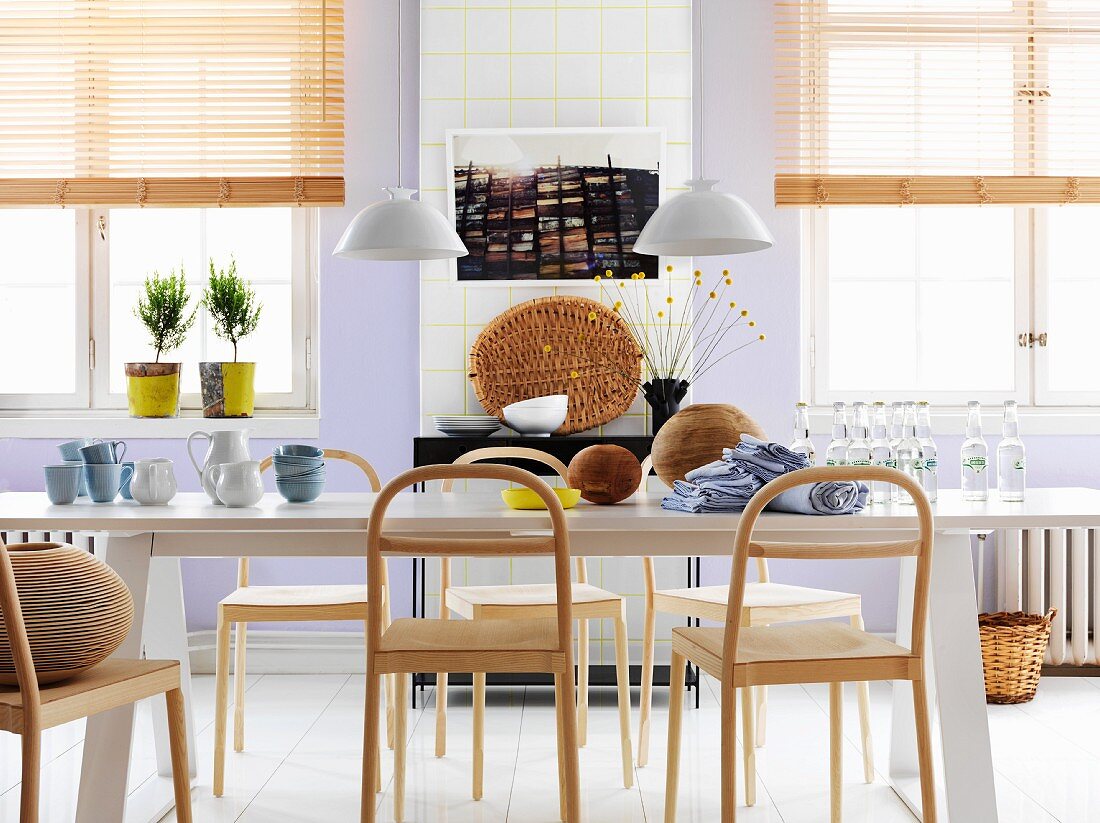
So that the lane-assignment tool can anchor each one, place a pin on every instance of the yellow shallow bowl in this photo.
(527, 499)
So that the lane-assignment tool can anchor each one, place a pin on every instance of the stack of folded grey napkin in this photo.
(728, 484)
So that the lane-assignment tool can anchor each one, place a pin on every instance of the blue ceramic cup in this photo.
(125, 490)
(106, 452)
(71, 449)
(105, 479)
(63, 482)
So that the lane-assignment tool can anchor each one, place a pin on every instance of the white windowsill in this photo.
(114, 423)
(1034, 420)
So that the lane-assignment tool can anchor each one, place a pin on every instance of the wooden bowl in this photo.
(77, 610)
(527, 499)
(696, 435)
(605, 473)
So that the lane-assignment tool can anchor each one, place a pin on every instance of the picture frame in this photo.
(553, 206)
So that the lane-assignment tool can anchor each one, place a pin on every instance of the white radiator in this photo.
(1037, 569)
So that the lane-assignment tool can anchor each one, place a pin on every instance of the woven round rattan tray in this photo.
(558, 345)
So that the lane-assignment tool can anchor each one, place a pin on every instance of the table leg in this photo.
(109, 735)
(955, 656)
(166, 639)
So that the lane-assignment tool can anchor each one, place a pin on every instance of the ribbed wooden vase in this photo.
(76, 609)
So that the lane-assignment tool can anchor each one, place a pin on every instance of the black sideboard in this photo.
(434, 450)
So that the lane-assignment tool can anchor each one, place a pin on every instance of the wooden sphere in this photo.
(605, 473)
(76, 609)
(696, 435)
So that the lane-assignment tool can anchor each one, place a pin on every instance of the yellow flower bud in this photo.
(592, 315)
(580, 336)
(622, 284)
(725, 272)
(733, 304)
(574, 374)
(660, 314)
(668, 268)
(729, 281)
(714, 295)
(752, 323)
(597, 278)
(548, 349)
(698, 273)
(698, 282)
(669, 299)
(761, 337)
(744, 312)
(618, 306)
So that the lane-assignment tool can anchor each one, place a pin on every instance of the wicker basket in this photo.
(1013, 645)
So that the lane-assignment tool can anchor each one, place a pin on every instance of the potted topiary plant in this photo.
(228, 389)
(153, 389)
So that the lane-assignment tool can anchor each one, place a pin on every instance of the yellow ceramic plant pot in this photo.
(153, 389)
(228, 389)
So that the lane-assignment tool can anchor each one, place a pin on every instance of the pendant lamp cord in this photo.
(400, 96)
(702, 78)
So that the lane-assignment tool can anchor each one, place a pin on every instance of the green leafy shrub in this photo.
(162, 308)
(232, 305)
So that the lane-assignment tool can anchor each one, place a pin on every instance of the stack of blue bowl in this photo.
(299, 472)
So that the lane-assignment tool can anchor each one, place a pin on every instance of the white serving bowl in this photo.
(539, 416)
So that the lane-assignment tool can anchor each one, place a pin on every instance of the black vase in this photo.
(664, 396)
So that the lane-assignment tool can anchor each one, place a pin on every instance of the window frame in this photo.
(93, 397)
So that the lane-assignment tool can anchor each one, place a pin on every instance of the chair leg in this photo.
(559, 700)
(572, 753)
(441, 714)
(238, 687)
(389, 680)
(924, 751)
(748, 742)
(221, 702)
(479, 735)
(863, 696)
(836, 752)
(622, 679)
(177, 742)
(31, 777)
(761, 715)
(645, 706)
(400, 741)
(582, 684)
(676, 672)
(729, 753)
(371, 755)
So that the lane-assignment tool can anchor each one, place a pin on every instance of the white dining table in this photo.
(130, 538)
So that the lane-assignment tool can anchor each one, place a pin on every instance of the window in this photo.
(71, 279)
(946, 154)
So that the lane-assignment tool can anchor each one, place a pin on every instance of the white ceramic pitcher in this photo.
(225, 447)
(154, 482)
(238, 484)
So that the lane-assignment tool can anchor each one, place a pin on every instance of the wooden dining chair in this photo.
(539, 600)
(746, 657)
(519, 644)
(766, 603)
(28, 709)
(265, 604)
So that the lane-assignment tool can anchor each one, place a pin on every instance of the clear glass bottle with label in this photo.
(974, 456)
(1011, 458)
(897, 415)
(929, 454)
(909, 453)
(881, 454)
(859, 444)
(801, 442)
(837, 452)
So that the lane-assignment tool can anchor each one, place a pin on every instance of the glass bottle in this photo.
(1011, 460)
(801, 442)
(897, 414)
(929, 460)
(974, 456)
(881, 455)
(908, 450)
(837, 452)
(859, 446)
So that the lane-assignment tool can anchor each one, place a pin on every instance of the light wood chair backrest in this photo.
(518, 453)
(555, 544)
(744, 547)
(16, 631)
(328, 454)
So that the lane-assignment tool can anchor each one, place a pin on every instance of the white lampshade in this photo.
(702, 223)
(400, 229)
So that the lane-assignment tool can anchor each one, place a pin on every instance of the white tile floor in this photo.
(303, 753)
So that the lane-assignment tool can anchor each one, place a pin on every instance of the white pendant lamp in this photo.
(703, 223)
(400, 229)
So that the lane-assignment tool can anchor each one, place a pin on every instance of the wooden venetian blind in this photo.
(171, 102)
(888, 102)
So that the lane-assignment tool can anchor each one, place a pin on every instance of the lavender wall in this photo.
(368, 341)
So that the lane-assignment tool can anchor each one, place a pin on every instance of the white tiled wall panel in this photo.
(543, 63)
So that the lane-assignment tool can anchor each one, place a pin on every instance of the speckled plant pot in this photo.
(228, 389)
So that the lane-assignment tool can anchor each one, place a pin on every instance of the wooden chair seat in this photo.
(480, 601)
(292, 596)
(800, 653)
(111, 684)
(765, 603)
(411, 644)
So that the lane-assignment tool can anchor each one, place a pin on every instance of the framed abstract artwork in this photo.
(544, 205)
